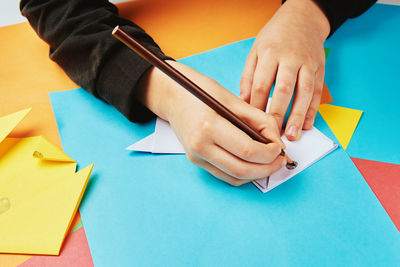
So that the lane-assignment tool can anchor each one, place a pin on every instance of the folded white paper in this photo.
(312, 146)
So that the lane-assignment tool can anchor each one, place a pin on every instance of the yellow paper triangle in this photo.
(8, 122)
(48, 151)
(342, 121)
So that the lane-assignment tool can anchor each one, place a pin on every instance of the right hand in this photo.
(211, 141)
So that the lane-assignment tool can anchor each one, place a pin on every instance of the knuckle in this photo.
(259, 89)
(268, 50)
(311, 113)
(277, 116)
(298, 53)
(196, 143)
(275, 149)
(311, 60)
(296, 117)
(240, 173)
(318, 89)
(192, 158)
(285, 87)
(244, 82)
(308, 86)
(236, 182)
(206, 127)
(247, 152)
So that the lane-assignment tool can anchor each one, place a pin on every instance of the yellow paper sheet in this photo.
(39, 195)
(342, 121)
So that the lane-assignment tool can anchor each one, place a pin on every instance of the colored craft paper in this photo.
(76, 223)
(32, 90)
(342, 121)
(79, 225)
(312, 146)
(208, 22)
(38, 195)
(75, 252)
(47, 151)
(166, 206)
(9, 122)
(13, 260)
(27, 79)
(363, 73)
(384, 179)
(160, 199)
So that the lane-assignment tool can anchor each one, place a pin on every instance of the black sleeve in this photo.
(338, 11)
(79, 35)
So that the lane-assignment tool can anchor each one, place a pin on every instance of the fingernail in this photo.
(292, 131)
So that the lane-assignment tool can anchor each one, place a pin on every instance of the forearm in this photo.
(79, 35)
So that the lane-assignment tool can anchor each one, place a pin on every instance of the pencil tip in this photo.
(291, 165)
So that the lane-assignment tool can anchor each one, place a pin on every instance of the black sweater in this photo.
(79, 35)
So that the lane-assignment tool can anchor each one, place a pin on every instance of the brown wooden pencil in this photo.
(174, 74)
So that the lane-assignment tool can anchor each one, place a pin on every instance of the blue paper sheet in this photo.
(363, 72)
(146, 210)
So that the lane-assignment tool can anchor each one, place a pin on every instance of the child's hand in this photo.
(210, 141)
(288, 50)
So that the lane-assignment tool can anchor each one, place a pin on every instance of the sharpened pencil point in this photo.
(291, 165)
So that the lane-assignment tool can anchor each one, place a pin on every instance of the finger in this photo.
(238, 168)
(220, 174)
(247, 76)
(263, 79)
(284, 87)
(316, 99)
(237, 142)
(262, 122)
(301, 102)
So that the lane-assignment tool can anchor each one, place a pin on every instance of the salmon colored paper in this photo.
(75, 252)
(384, 180)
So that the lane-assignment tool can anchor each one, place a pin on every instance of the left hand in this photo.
(288, 50)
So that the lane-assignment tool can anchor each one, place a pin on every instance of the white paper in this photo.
(312, 146)
(144, 145)
(165, 140)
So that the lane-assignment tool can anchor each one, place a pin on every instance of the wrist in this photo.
(157, 91)
(313, 14)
